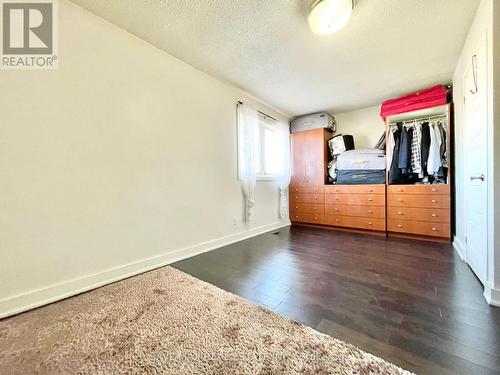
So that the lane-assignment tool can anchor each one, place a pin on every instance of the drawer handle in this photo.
(297, 198)
(370, 223)
(315, 190)
(400, 213)
(336, 221)
(336, 190)
(370, 211)
(434, 215)
(400, 190)
(433, 189)
(336, 199)
(370, 199)
(297, 207)
(315, 218)
(337, 210)
(400, 226)
(296, 190)
(315, 208)
(370, 190)
(434, 229)
(400, 200)
(315, 198)
(434, 201)
(296, 217)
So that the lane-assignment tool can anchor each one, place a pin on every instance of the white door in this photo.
(475, 119)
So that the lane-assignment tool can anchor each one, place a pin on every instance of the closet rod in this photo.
(262, 113)
(418, 119)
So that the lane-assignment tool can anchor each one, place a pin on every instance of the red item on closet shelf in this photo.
(432, 97)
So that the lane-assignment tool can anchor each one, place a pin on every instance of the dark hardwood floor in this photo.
(413, 303)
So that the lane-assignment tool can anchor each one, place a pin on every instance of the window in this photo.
(267, 160)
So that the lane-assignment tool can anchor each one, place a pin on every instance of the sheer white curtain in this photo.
(285, 169)
(248, 135)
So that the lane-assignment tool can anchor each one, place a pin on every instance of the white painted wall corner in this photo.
(459, 247)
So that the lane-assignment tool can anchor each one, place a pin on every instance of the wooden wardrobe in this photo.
(313, 201)
(415, 211)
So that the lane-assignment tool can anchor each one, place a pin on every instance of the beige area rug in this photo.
(167, 322)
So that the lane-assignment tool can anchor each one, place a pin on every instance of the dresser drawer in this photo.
(418, 189)
(419, 227)
(307, 218)
(437, 215)
(360, 211)
(307, 208)
(356, 199)
(306, 189)
(306, 198)
(418, 201)
(355, 222)
(355, 189)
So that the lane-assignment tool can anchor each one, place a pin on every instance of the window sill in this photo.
(266, 178)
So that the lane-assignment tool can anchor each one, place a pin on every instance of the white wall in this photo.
(483, 23)
(121, 160)
(364, 124)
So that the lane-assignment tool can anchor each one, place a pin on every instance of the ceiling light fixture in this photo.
(329, 16)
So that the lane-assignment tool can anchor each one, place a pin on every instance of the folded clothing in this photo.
(366, 159)
(359, 177)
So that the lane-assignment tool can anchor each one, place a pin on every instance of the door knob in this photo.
(481, 177)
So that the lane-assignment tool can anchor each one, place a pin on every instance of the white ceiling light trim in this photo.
(329, 16)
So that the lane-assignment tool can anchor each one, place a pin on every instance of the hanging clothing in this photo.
(390, 148)
(434, 159)
(394, 171)
(443, 151)
(403, 151)
(416, 151)
(410, 141)
(426, 144)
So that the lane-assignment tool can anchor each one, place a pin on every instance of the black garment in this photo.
(404, 151)
(394, 172)
(410, 140)
(442, 150)
(426, 144)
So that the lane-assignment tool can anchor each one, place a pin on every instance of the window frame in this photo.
(264, 123)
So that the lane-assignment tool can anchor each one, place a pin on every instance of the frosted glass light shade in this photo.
(329, 16)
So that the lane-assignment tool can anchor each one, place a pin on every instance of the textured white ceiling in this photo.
(266, 48)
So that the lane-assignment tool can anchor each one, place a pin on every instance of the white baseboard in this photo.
(35, 298)
(492, 295)
(459, 247)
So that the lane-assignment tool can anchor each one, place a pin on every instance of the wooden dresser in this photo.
(422, 210)
(307, 204)
(355, 206)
